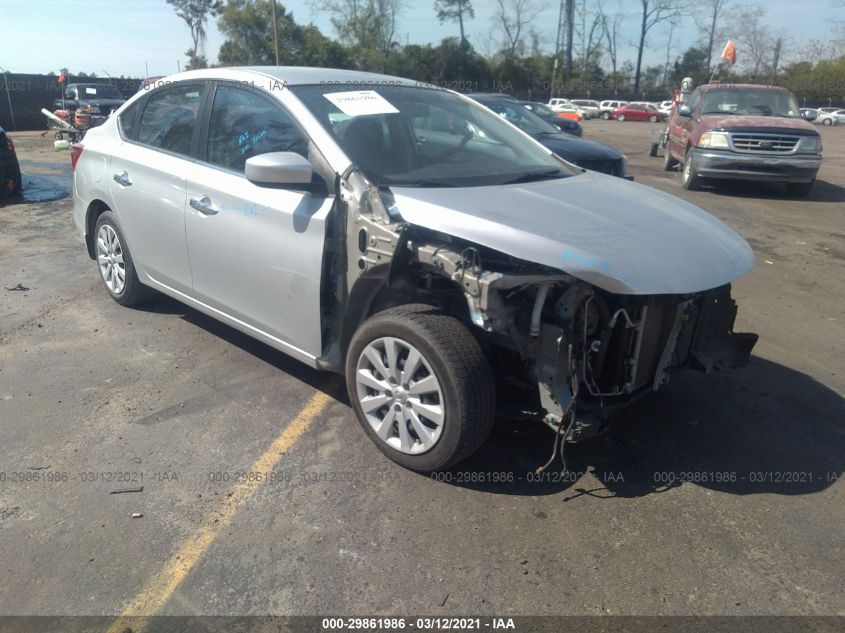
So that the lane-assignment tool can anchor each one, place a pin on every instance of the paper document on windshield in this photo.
(361, 102)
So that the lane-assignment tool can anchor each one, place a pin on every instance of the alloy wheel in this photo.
(110, 259)
(400, 396)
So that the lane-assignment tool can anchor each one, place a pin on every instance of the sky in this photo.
(145, 38)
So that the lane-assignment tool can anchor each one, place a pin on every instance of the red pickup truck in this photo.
(743, 132)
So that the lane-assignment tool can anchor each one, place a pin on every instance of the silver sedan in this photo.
(449, 265)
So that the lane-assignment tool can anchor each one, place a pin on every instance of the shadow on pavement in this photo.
(823, 191)
(762, 429)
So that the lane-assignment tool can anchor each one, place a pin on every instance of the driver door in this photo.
(256, 252)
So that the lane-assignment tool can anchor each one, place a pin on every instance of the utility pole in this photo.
(275, 31)
(9, 98)
(777, 60)
(570, 29)
(557, 49)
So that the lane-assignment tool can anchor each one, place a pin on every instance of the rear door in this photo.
(148, 176)
(256, 252)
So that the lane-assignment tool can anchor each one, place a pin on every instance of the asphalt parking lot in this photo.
(721, 495)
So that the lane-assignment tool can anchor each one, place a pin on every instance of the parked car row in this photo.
(609, 109)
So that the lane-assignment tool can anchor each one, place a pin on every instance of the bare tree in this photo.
(708, 21)
(370, 24)
(512, 17)
(195, 14)
(654, 12)
(755, 42)
(610, 32)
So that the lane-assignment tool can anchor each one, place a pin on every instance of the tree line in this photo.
(512, 56)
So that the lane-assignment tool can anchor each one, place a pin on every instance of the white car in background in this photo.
(828, 116)
(557, 103)
(591, 109)
(665, 107)
(606, 107)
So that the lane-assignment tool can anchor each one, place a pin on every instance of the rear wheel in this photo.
(828, 121)
(799, 189)
(690, 180)
(669, 161)
(115, 263)
(420, 386)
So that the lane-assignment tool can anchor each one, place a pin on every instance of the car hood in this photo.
(752, 123)
(574, 148)
(618, 235)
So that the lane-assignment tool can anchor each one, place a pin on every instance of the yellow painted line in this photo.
(160, 587)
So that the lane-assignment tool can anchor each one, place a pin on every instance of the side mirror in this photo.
(684, 110)
(809, 115)
(278, 168)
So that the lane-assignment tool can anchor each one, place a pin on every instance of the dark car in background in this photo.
(553, 118)
(100, 98)
(584, 153)
(10, 171)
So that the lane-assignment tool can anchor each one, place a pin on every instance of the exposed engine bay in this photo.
(581, 351)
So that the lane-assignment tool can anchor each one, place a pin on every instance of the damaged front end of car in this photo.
(574, 352)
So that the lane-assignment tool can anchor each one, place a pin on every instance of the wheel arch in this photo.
(92, 214)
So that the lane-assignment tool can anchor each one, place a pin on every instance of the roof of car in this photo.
(304, 75)
(732, 85)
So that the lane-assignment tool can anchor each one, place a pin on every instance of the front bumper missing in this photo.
(695, 332)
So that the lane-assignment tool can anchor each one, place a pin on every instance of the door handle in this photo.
(123, 179)
(203, 205)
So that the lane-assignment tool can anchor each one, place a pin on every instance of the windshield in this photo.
(540, 109)
(410, 136)
(760, 102)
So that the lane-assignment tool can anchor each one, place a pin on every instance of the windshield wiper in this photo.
(535, 175)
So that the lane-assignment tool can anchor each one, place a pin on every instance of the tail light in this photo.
(75, 153)
(10, 145)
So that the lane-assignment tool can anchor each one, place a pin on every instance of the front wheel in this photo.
(605, 115)
(620, 117)
(828, 121)
(420, 386)
(653, 118)
(691, 181)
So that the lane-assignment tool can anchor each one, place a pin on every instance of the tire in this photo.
(669, 161)
(620, 117)
(111, 252)
(799, 189)
(652, 118)
(652, 151)
(827, 121)
(689, 179)
(605, 116)
(463, 399)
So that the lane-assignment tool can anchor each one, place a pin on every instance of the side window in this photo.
(245, 124)
(694, 100)
(129, 117)
(169, 118)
